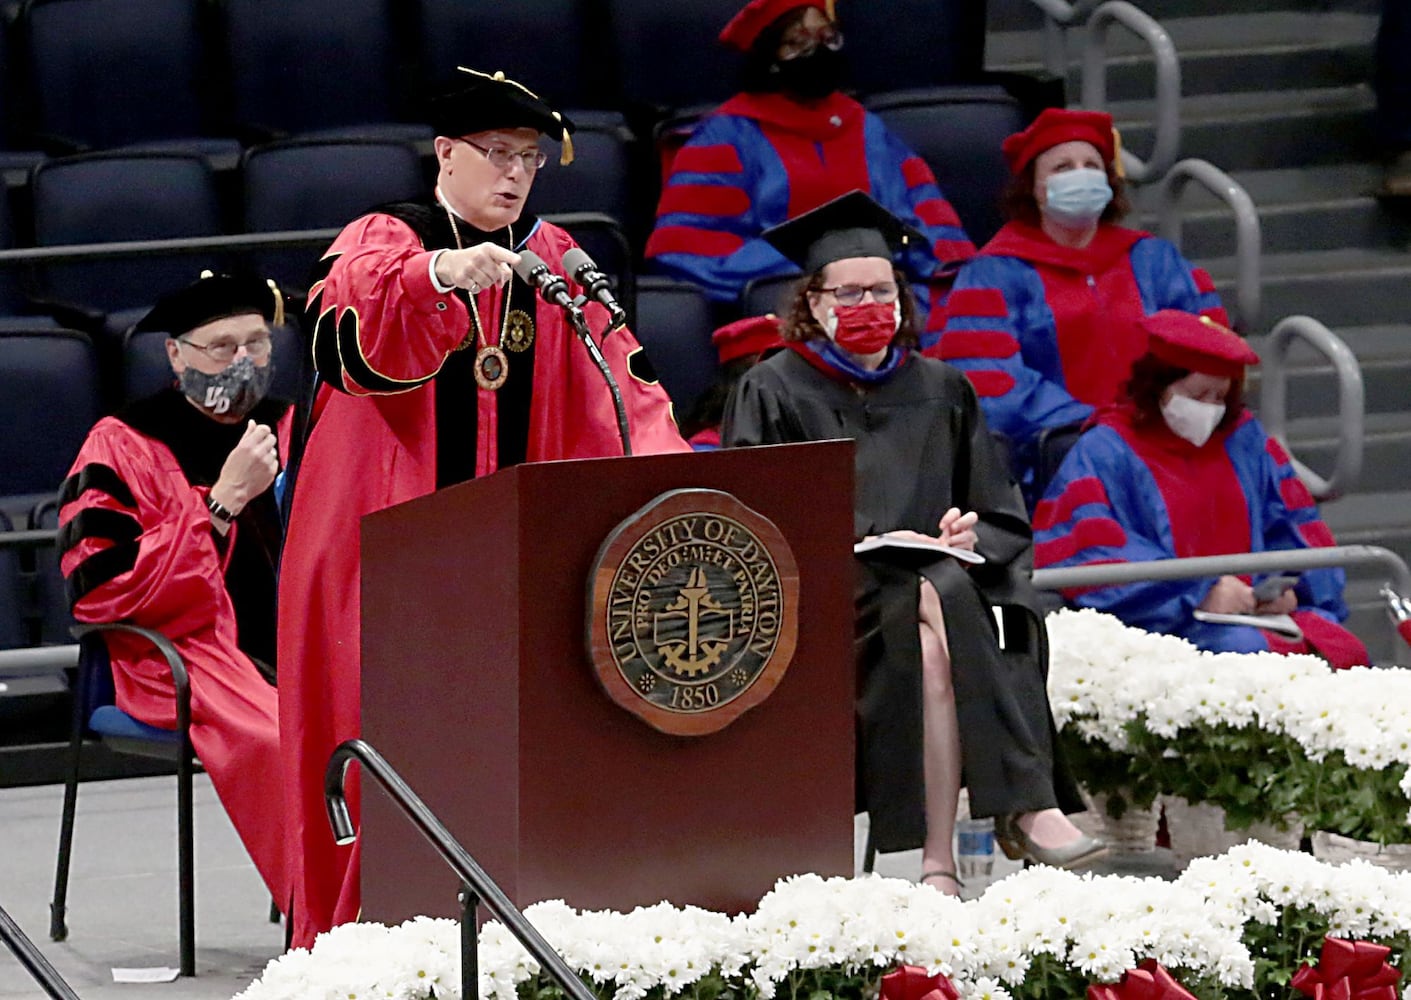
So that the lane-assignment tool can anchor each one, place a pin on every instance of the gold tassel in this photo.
(830, 7)
(1117, 165)
(278, 319)
(566, 153)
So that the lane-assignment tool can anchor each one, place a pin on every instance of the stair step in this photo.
(1344, 287)
(1383, 353)
(1258, 130)
(1218, 54)
(1329, 224)
(1385, 445)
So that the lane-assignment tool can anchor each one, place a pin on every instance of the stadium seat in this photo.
(958, 131)
(318, 184)
(674, 324)
(883, 53)
(16, 156)
(666, 53)
(48, 401)
(317, 66)
(107, 73)
(104, 197)
(599, 179)
(146, 369)
(562, 64)
(13, 633)
(54, 617)
(767, 295)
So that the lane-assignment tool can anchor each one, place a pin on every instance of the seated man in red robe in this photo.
(168, 521)
(436, 364)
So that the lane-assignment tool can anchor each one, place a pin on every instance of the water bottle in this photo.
(975, 850)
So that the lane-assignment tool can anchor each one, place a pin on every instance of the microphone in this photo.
(533, 271)
(595, 283)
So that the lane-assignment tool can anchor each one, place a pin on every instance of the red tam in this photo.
(751, 335)
(745, 27)
(1059, 125)
(1197, 343)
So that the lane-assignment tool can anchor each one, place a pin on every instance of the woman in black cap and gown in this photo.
(940, 703)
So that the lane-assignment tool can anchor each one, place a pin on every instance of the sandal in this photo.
(943, 874)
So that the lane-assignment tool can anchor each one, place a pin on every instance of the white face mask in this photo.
(1191, 419)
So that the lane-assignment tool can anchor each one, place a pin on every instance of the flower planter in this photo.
(1334, 848)
(1134, 833)
(1198, 830)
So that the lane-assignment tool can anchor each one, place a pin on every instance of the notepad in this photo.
(887, 541)
(1282, 624)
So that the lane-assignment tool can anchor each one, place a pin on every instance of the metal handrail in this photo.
(1059, 16)
(1249, 237)
(33, 959)
(1113, 574)
(476, 885)
(1168, 83)
(1273, 401)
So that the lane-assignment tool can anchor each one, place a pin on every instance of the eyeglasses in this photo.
(798, 46)
(502, 159)
(224, 351)
(852, 295)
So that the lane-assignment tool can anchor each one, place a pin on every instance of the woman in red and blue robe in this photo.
(1134, 489)
(786, 145)
(1041, 319)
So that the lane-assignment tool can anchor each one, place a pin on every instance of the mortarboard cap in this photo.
(745, 27)
(212, 297)
(481, 102)
(1054, 126)
(1197, 343)
(751, 335)
(852, 225)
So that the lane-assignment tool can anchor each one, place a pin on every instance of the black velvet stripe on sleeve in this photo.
(336, 352)
(100, 477)
(98, 522)
(101, 567)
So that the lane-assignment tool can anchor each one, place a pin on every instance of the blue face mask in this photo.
(1077, 197)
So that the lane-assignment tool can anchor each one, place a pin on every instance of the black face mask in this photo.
(811, 77)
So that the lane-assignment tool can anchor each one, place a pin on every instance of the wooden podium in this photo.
(477, 687)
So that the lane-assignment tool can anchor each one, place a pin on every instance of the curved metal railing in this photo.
(1273, 401)
(1168, 83)
(1249, 238)
(476, 885)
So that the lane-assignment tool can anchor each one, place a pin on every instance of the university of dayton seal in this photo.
(693, 615)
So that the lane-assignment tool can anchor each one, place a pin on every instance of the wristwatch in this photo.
(219, 510)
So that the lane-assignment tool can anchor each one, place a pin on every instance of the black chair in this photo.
(49, 398)
(55, 620)
(563, 64)
(600, 178)
(1052, 446)
(146, 369)
(768, 295)
(319, 184)
(885, 52)
(97, 718)
(674, 324)
(119, 196)
(667, 55)
(17, 156)
(959, 131)
(317, 66)
(108, 73)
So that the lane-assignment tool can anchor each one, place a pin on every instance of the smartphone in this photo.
(1272, 587)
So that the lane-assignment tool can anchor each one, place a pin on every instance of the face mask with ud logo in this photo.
(232, 392)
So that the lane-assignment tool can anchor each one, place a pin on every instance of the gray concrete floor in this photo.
(122, 908)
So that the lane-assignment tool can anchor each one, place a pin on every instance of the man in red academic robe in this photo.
(436, 365)
(168, 521)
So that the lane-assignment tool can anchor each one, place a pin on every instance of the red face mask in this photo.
(865, 328)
